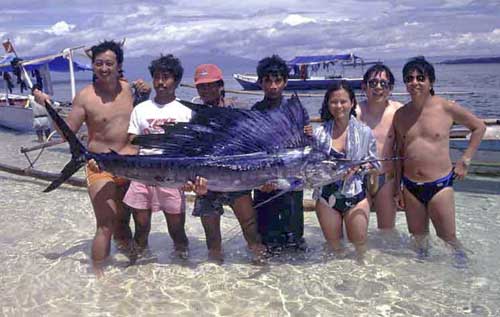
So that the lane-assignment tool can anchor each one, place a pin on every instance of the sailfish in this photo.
(234, 149)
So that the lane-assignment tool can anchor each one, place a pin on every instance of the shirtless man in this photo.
(377, 112)
(422, 130)
(105, 107)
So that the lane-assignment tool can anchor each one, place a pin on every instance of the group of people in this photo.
(378, 129)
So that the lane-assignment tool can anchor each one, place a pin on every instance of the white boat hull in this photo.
(16, 115)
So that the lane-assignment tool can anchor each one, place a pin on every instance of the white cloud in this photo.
(256, 28)
(271, 32)
(493, 37)
(142, 10)
(457, 3)
(296, 19)
(411, 23)
(466, 38)
(61, 28)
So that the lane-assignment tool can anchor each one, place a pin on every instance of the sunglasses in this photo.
(373, 83)
(409, 78)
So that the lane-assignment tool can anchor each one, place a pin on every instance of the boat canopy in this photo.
(321, 59)
(56, 63)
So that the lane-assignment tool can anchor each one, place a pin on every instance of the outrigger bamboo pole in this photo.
(47, 176)
(41, 146)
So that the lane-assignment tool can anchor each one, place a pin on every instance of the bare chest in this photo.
(431, 125)
(104, 114)
(380, 124)
(382, 129)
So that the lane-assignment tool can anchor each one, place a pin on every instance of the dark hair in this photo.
(338, 85)
(167, 63)
(376, 69)
(108, 46)
(273, 65)
(423, 67)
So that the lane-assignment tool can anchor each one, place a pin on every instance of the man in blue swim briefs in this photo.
(422, 128)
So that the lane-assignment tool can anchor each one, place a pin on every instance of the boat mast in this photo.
(26, 76)
(69, 55)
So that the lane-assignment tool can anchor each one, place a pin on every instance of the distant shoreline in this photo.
(480, 60)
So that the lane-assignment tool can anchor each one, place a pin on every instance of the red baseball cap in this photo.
(207, 73)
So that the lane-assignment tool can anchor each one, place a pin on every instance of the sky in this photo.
(257, 28)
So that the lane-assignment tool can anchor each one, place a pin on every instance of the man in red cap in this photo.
(210, 85)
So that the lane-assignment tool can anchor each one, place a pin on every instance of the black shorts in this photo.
(212, 203)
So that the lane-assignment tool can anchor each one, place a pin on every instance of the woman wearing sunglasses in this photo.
(422, 130)
(377, 112)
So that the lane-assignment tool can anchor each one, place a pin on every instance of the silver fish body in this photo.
(288, 169)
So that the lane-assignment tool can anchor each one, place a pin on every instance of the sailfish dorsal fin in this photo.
(217, 131)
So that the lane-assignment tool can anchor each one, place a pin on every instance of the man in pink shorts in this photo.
(148, 118)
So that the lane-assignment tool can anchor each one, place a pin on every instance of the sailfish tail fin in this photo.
(78, 151)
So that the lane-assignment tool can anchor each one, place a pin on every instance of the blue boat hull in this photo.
(300, 84)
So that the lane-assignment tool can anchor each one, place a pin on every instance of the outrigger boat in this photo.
(15, 110)
(302, 68)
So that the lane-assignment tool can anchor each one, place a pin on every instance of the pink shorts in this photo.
(169, 200)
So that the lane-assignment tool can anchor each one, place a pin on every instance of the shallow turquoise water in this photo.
(44, 256)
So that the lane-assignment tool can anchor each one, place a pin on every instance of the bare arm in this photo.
(77, 115)
(75, 118)
(398, 164)
(130, 149)
(477, 127)
(141, 91)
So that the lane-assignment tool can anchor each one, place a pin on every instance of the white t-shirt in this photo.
(148, 117)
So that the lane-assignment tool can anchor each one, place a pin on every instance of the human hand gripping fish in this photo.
(199, 186)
